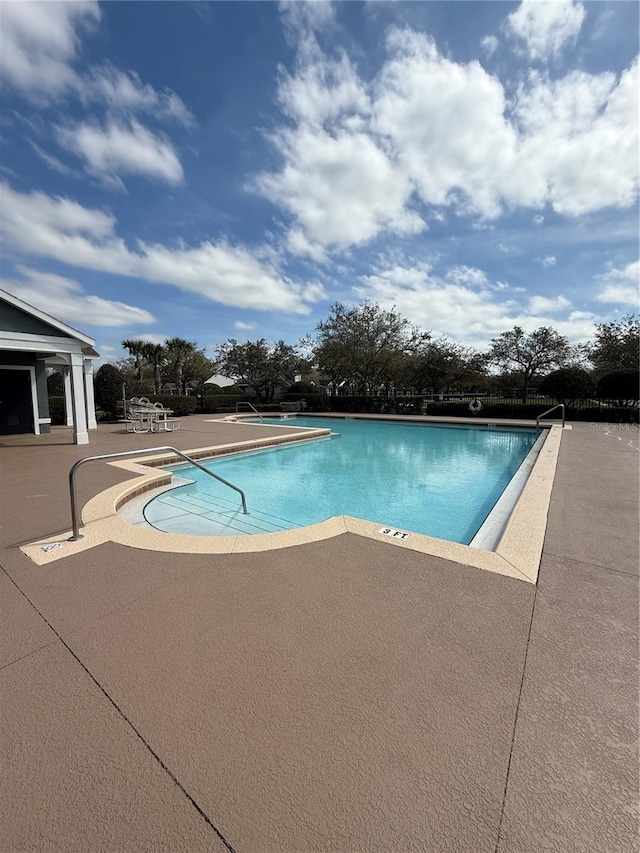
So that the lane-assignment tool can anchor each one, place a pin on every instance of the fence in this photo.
(456, 405)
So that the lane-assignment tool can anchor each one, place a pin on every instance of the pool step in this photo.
(205, 500)
(209, 515)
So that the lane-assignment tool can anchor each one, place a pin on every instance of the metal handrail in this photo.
(552, 409)
(73, 494)
(251, 406)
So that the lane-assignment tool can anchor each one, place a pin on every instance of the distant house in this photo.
(172, 388)
(31, 341)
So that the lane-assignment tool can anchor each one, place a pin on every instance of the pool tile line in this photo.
(201, 453)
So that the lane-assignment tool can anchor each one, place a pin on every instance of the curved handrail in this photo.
(251, 406)
(552, 409)
(73, 494)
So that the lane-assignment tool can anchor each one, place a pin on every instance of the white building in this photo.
(31, 341)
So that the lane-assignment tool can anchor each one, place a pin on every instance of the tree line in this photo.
(366, 349)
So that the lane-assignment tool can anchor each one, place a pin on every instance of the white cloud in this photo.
(61, 229)
(244, 327)
(538, 219)
(342, 189)
(116, 149)
(66, 300)
(306, 17)
(470, 276)
(358, 156)
(489, 45)
(153, 338)
(467, 314)
(53, 162)
(107, 354)
(35, 220)
(434, 303)
(322, 89)
(549, 261)
(548, 305)
(446, 123)
(338, 184)
(621, 286)
(39, 42)
(546, 27)
(569, 127)
(124, 91)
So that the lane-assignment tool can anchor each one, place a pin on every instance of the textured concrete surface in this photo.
(75, 775)
(22, 631)
(573, 780)
(573, 783)
(595, 506)
(335, 696)
(327, 706)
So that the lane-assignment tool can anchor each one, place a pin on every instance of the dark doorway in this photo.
(16, 407)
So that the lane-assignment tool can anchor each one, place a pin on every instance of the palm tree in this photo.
(136, 351)
(179, 351)
(156, 356)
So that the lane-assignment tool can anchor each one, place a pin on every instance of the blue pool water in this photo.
(438, 480)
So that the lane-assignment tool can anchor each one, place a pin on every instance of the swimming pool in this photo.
(440, 481)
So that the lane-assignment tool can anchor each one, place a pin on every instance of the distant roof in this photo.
(48, 319)
(219, 379)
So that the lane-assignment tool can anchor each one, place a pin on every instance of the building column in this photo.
(80, 434)
(68, 397)
(88, 392)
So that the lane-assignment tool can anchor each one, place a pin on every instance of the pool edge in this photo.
(517, 555)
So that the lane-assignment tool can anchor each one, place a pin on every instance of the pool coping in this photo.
(517, 554)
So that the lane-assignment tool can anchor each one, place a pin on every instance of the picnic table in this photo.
(150, 417)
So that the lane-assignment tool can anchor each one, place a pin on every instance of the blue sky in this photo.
(232, 169)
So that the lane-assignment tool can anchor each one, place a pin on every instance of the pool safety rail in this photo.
(73, 492)
(548, 412)
(251, 406)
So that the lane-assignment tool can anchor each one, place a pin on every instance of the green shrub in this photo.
(567, 385)
(620, 385)
(107, 387)
(489, 410)
(366, 404)
(604, 414)
(215, 403)
(315, 402)
(138, 388)
(302, 388)
(518, 411)
(181, 404)
(226, 403)
(57, 411)
(55, 384)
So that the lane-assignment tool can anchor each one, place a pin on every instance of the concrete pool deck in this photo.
(339, 695)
